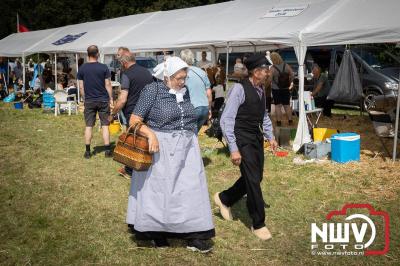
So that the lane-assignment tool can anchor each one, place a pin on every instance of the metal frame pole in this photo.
(77, 81)
(23, 73)
(6, 80)
(55, 72)
(396, 126)
(227, 65)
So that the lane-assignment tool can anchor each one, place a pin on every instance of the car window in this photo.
(147, 63)
(289, 57)
(378, 58)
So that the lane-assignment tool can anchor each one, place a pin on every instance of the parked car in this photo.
(379, 70)
(146, 62)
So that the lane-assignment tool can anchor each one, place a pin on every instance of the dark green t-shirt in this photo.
(326, 86)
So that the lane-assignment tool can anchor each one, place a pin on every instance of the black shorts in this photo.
(281, 96)
(92, 108)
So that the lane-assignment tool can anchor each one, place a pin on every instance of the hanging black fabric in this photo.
(347, 84)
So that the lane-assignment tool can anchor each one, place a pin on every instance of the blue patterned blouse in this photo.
(160, 110)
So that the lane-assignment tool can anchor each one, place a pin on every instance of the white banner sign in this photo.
(285, 11)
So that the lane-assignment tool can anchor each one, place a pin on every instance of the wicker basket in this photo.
(132, 149)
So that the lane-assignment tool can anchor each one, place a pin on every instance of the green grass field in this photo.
(60, 209)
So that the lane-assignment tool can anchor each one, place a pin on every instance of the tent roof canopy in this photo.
(240, 22)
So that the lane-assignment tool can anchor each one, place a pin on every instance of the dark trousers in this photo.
(251, 169)
(323, 102)
(128, 170)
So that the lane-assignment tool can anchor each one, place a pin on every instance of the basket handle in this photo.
(136, 126)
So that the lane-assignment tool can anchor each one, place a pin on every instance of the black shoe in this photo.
(278, 123)
(87, 155)
(199, 245)
(290, 122)
(160, 243)
(131, 228)
(108, 154)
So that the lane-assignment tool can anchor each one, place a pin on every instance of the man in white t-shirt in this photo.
(204, 63)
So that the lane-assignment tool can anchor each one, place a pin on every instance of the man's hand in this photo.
(236, 158)
(110, 118)
(273, 144)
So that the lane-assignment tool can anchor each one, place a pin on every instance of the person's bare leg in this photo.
(88, 139)
(106, 135)
(88, 135)
(288, 111)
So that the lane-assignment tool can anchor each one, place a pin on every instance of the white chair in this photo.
(61, 100)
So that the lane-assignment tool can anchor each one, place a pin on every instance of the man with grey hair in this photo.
(133, 80)
(199, 87)
(122, 51)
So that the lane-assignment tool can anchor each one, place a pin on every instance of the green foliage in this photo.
(53, 13)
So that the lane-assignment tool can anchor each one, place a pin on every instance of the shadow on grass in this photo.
(102, 148)
(206, 161)
(240, 212)
(210, 152)
(173, 242)
(223, 150)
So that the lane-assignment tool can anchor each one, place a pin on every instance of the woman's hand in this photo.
(153, 143)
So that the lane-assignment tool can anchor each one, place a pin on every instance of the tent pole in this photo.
(227, 65)
(303, 133)
(254, 47)
(8, 74)
(101, 57)
(23, 72)
(396, 127)
(213, 54)
(55, 72)
(77, 81)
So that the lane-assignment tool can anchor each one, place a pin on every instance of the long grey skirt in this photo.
(172, 196)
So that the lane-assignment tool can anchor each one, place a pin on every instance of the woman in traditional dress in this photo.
(170, 199)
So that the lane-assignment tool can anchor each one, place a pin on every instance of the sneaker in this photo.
(108, 153)
(160, 243)
(199, 245)
(123, 173)
(87, 155)
(262, 233)
(223, 209)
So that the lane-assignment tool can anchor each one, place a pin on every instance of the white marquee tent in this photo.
(15, 44)
(295, 23)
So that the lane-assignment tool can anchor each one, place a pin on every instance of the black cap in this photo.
(257, 60)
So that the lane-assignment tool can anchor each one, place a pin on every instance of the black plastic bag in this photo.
(347, 84)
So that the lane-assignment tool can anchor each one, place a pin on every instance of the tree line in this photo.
(44, 14)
